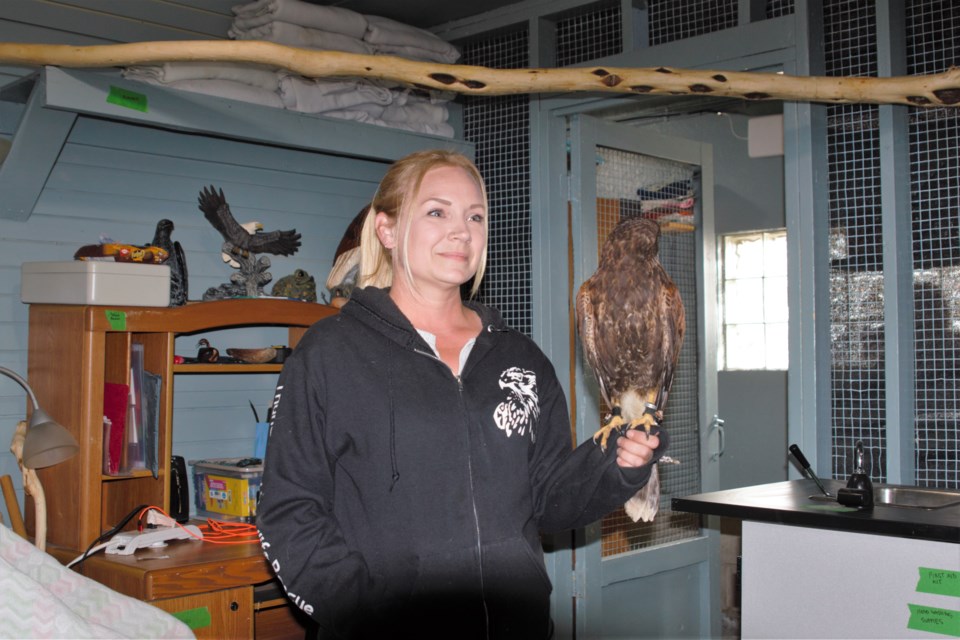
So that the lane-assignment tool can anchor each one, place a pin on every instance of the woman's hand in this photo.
(635, 448)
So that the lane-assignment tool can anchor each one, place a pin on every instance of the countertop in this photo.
(790, 503)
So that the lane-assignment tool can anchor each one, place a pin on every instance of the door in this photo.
(636, 580)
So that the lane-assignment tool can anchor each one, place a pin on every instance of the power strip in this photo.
(126, 543)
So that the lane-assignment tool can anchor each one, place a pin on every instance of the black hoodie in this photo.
(398, 497)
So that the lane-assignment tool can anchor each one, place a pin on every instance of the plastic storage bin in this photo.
(93, 282)
(226, 488)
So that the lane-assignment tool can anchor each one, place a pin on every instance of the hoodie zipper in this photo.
(473, 499)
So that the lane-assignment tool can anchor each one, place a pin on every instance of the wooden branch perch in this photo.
(936, 90)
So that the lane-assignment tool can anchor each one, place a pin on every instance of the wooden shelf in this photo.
(75, 349)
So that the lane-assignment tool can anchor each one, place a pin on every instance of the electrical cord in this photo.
(106, 536)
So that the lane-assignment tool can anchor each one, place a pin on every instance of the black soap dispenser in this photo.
(859, 489)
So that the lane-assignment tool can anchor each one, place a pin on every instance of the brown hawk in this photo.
(631, 324)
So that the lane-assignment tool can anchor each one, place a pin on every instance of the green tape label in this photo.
(945, 622)
(126, 98)
(194, 618)
(944, 582)
(116, 319)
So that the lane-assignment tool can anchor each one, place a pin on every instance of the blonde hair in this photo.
(398, 187)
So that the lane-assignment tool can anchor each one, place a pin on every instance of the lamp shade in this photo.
(47, 442)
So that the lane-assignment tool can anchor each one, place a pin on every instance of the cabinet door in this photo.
(217, 614)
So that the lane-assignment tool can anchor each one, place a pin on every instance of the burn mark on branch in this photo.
(948, 96)
(474, 84)
(443, 78)
(757, 95)
(700, 88)
(663, 70)
(719, 77)
(600, 72)
(612, 80)
(918, 100)
(641, 88)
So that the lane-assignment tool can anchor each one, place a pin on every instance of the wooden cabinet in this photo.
(74, 350)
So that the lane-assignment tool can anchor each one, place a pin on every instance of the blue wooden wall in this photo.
(119, 179)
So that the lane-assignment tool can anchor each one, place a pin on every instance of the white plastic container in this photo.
(129, 284)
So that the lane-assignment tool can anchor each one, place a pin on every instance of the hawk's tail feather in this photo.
(645, 503)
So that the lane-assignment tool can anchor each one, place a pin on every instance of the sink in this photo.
(914, 497)
(893, 495)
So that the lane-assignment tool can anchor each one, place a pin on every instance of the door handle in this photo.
(717, 424)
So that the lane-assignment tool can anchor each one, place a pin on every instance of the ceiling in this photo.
(420, 13)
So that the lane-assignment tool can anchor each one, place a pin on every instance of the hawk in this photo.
(631, 324)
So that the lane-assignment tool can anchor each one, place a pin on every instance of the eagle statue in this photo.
(241, 247)
(631, 324)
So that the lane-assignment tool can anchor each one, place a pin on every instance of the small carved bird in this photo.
(217, 212)
(631, 323)
(177, 261)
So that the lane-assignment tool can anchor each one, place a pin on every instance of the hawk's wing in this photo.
(674, 326)
(587, 314)
(217, 212)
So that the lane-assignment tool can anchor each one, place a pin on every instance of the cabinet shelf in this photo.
(75, 349)
(227, 368)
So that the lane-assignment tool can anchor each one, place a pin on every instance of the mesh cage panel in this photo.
(777, 8)
(933, 45)
(499, 127)
(589, 35)
(672, 20)
(856, 266)
(631, 185)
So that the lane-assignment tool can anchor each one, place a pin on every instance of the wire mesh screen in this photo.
(588, 35)
(499, 127)
(672, 20)
(631, 185)
(856, 267)
(777, 8)
(933, 45)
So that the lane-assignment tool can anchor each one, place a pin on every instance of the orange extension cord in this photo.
(214, 531)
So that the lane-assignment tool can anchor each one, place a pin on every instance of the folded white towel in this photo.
(437, 129)
(384, 31)
(224, 89)
(296, 36)
(416, 112)
(332, 19)
(416, 53)
(253, 74)
(315, 95)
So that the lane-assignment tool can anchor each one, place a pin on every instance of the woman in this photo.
(419, 446)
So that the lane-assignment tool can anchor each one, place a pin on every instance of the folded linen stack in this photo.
(301, 24)
(235, 80)
(313, 26)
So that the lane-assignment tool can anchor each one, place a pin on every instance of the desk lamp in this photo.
(46, 443)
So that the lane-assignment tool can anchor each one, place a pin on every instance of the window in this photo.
(753, 301)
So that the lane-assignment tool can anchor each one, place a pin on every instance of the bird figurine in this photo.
(206, 352)
(346, 261)
(631, 323)
(244, 247)
(177, 261)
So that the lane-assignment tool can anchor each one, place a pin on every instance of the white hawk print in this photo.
(521, 409)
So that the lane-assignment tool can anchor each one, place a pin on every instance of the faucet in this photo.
(859, 489)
